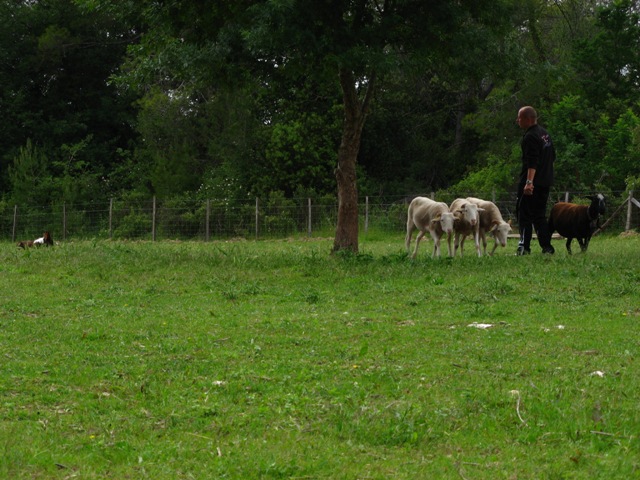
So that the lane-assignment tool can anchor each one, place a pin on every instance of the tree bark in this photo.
(346, 237)
(355, 111)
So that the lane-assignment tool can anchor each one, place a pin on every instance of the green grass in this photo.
(276, 360)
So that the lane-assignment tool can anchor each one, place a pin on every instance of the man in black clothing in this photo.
(536, 178)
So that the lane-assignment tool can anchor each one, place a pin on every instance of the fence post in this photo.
(366, 214)
(64, 221)
(629, 209)
(433, 195)
(111, 218)
(15, 222)
(309, 216)
(153, 220)
(206, 221)
(566, 196)
(257, 216)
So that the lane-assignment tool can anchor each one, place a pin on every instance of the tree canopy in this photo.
(299, 97)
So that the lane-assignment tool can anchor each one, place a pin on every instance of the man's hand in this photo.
(528, 189)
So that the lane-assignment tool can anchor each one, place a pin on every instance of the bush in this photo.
(280, 215)
(133, 225)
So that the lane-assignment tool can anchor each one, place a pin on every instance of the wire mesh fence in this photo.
(151, 219)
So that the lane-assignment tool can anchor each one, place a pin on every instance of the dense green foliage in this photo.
(231, 99)
(57, 105)
(274, 360)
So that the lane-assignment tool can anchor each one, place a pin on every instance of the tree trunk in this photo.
(354, 116)
(347, 228)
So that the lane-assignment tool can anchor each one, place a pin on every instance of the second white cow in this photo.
(491, 221)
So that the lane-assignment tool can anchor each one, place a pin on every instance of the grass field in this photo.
(276, 360)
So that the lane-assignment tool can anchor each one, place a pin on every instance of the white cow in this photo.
(491, 221)
(467, 223)
(426, 214)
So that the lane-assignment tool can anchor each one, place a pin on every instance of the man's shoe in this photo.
(548, 250)
(522, 251)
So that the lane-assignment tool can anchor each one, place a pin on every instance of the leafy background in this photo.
(232, 100)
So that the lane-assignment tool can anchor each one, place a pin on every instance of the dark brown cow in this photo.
(577, 221)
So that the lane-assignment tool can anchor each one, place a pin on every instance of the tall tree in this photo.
(361, 41)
